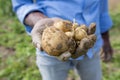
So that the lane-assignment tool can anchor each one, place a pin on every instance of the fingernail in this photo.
(38, 46)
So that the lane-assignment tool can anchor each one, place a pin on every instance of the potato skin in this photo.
(64, 25)
(54, 41)
(80, 33)
(70, 34)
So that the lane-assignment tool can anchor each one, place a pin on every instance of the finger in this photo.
(37, 45)
(92, 28)
(101, 53)
(107, 57)
(64, 56)
(36, 40)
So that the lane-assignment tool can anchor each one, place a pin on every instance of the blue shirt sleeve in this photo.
(105, 20)
(23, 7)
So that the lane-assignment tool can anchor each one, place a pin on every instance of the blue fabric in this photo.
(52, 68)
(83, 11)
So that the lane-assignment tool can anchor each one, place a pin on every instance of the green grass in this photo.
(20, 63)
(111, 70)
(17, 54)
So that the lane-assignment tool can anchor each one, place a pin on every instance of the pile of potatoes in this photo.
(65, 36)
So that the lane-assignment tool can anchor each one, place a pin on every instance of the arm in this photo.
(31, 15)
(27, 11)
(105, 25)
(107, 53)
(32, 18)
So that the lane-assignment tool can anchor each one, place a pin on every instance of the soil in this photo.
(6, 50)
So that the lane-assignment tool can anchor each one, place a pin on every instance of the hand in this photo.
(84, 45)
(64, 56)
(38, 28)
(107, 51)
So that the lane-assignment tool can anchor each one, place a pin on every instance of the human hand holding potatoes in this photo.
(64, 39)
(56, 43)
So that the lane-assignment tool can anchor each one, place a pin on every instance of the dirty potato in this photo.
(54, 41)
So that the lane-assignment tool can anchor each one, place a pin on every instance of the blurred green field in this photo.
(17, 54)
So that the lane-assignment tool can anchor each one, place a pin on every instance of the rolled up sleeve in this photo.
(105, 19)
(23, 7)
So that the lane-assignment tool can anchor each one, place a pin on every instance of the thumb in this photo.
(36, 40)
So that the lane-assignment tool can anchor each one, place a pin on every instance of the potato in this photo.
(84, 27)
(70, 34)
(54, 41)
(80, 33)
(63, 25)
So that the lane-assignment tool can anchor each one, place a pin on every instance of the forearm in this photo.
(33, 17)
(105, 36)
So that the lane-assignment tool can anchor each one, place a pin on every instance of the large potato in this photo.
(54, 41)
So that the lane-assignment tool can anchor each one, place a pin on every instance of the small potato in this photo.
(63, 25)
(69, 34)
(80, 33)
(84, 27)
